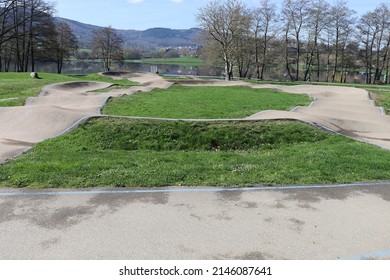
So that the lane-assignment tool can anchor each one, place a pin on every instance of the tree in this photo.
(243, 43)
(25, 26)
(33, 25)
(342, 21)
(374, 34)
(108, 46)
(171, 53)
(133, 53)
(6, 8)
(265, 30)
(316, 23)
(222, 22)
(64, 44)
(295, 14)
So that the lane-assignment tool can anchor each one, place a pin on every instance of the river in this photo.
(83, 67)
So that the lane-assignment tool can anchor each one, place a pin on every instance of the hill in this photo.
(149, 39)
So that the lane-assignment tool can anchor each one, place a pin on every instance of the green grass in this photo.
(203, 102)
(384, 100)
(181, 61)
(16, 87)
(118, 153)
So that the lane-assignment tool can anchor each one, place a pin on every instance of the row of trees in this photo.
(29, 32)
(305, 40)
(108, 46)
(131, 53)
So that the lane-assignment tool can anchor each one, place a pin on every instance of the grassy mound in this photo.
(115, 152)
(129, 135)
(182, 102)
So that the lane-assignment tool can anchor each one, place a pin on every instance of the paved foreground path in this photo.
(312, 223)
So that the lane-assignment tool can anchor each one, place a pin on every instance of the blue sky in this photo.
(144, 14)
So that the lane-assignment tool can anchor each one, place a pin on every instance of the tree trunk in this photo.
(318, 65)
(287, 55)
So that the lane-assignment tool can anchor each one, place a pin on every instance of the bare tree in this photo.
(288, 47)
(222, 22)
(295, 15)
(64, 44)
(265, 30)
(5, 18)
(374, 34)
(316, 23)
(382, 20)
(243, 44)
(342, 21)
(5, 28)
(31, 22)
(108, 45)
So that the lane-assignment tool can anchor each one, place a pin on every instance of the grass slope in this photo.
(115, 152)
(203, 102)
(383, 99)
(16, 87)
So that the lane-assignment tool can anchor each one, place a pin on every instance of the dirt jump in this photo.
(61, 107)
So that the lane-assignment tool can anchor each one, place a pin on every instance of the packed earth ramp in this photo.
(346, 110)
(60, 107)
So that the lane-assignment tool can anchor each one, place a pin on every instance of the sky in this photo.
(144, 14)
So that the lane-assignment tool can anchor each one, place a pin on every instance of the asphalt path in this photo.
(294, 222)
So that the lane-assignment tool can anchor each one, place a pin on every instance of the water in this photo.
(82, 67)
(87, 67)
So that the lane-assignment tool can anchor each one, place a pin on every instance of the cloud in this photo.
(177, 1)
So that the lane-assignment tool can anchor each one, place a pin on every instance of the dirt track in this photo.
(58, 108)
(61, 106)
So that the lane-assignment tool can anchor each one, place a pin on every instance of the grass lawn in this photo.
(16, 87)
(203, 102)
(384, 93)
(116, 152)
